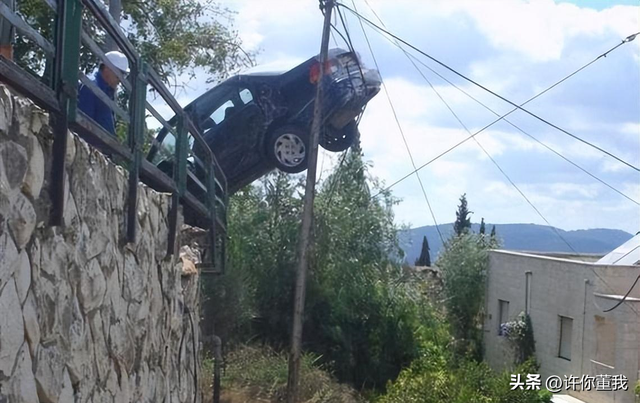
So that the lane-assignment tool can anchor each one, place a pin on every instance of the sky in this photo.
(516, 48)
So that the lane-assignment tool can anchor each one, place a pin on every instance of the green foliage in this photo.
(482, 226)
(434, 378)
(520, 334)
(425, 257)
(181, 36)
(363, 315)
(464, 265)
(175, 37)
(463, 221)
(262, 374)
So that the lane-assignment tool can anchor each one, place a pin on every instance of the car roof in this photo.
(212, 94)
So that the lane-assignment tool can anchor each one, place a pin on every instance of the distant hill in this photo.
(526, 237)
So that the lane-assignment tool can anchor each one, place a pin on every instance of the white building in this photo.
(567, 300)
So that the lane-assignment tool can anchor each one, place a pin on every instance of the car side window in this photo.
(245, 96)
(220, 113)
(237, 100)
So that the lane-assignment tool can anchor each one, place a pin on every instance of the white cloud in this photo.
(514, 47)
(539, 29)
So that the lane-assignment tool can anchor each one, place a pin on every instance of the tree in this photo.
(363, 314)
(176, 37)
(185, 36)
(463, 222)
(425, 257)
(482, 229)
(494, 238)
(464, 264)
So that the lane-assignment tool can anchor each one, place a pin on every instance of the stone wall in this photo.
(85, 317)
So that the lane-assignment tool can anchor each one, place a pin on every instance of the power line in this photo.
(455, 115)
(412, 58)
(395, 115)
(495, 121)
(624, 299)
(628, 39)
(505, 174)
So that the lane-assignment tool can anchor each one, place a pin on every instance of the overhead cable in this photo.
(395, 115)
(502, 171)
(517, 107)
(414, 59)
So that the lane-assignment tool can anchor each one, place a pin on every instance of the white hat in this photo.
(118, 60)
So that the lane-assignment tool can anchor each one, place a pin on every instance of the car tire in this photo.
(340, 140)
(287, 148)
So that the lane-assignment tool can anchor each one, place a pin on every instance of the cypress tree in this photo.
(463, 222)
(425, 257)
(482, 229)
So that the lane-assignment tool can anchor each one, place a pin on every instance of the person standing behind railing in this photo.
(6, 32)
(107, 81)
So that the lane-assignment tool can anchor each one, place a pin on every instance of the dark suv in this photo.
(256, 122)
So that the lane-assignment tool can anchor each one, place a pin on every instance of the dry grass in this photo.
(260, 375)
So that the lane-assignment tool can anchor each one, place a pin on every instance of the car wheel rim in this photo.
(289, 150)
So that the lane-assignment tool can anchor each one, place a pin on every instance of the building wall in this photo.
(575, 290)
(84, 316)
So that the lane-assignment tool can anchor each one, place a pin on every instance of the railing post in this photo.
(211, 204)
(136, 140)
(180, 178)
(67, 65)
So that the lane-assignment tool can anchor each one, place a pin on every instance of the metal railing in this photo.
(204, 195)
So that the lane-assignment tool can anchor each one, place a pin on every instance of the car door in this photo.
(233, 130)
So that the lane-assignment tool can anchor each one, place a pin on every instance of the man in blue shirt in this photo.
(107, 81)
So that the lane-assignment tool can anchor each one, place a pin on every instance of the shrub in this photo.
(520, 335)
(261, 373)
(433, 378)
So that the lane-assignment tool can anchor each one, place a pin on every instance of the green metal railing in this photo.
(60, 98)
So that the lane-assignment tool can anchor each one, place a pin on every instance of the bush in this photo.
(464, 264)
(261, 373)
(433, 378)
(363, 315)
(520, 335)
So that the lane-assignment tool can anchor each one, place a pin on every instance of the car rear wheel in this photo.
(287, 148)
(339, 140)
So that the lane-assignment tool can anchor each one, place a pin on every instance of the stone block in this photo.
(134, 279)
(100, 350)
(6, 109)
(70, 155)
(50, 371)
(66, 394)
(80, 362)
(34, 177)
(8, 258)
(11, 328)
(23, 383)
(22, 220)
(31, 325)
(92, 286)
(13, 168)
(22, 276)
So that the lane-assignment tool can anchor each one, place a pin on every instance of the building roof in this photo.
(627, 254)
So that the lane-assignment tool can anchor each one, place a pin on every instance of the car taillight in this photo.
(330, 67)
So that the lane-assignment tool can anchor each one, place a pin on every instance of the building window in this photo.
(503, 314)
(566, 335)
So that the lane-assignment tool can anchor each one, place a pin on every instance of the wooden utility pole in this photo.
(115, 9)
(307, 219)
